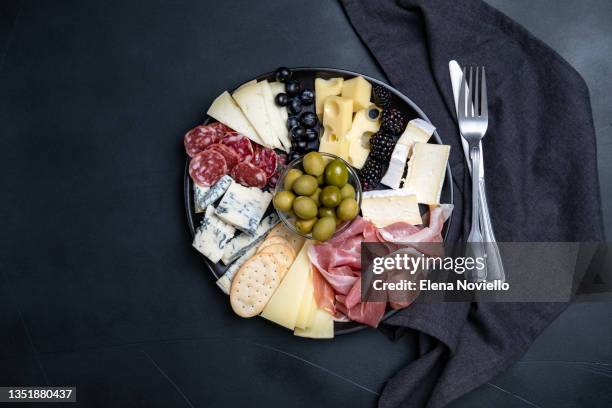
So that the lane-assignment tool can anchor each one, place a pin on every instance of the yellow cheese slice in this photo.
(338, 115)
(306, 305)
(358, 138)
(325, 88)
(426, 169)
(330, 143)
(359, 90)
(284, 305)
(322, 327)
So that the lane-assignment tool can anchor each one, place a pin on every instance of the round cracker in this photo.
(276, 241)
(282, 252)
(254, 284)
(294, 240)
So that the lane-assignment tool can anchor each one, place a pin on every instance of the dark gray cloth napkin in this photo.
(540, 164)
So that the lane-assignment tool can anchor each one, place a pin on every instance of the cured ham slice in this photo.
(337, 264)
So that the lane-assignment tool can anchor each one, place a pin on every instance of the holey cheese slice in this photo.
(426, 172)
(226, 111)
(385, 207)
(284, 306)
(417, 131)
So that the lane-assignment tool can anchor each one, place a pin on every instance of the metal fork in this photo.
(473, 121)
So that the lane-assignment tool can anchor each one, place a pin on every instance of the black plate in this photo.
(307, 76)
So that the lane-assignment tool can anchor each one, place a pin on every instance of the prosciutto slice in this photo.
(337, 264)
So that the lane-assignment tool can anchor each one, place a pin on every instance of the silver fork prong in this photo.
(476, 106)
(484, 109)
(470, 89)
(462, 105)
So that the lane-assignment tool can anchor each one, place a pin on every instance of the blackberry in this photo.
(370, 174)
(393, 121)
(381, 96)
(381, 146)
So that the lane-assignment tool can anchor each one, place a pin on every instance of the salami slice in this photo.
(199, 138)
(265, 159)
(241, 145)
(231, 157)
(249, 175)
(221, 129)
(281, 160)
(207, 167)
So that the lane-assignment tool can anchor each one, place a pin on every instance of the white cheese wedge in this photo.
(225, 281)
(385, 207)
(243, 207)
(279, 87)
(322, 327)
(417, 130)
(277, 122)
(426, 170)
(225, 110)
(325, 88)
(212, 235)
(306, 305)
(250, 100)
(284, 305)
(240, 244)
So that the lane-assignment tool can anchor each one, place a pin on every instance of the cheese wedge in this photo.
(225, 110)
(284, 306)
(359, 90)
(338, 115)
(325, 88)
(385, 207)
(417, 131)
(250, 100)
(306, 305)
(322, 327)
(358, 138)
(426, 170)
(274, 116)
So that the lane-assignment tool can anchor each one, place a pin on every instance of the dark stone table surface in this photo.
(99, 287)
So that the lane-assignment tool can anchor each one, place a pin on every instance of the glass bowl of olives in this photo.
(318, 195)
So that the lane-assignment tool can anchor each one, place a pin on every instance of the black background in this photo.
(99, 286)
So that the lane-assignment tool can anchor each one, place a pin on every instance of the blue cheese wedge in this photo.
(243, 207)
(225, 281)
(212, 235)
(385, 207)
(243, 242)
(205, 196)
(417, 131)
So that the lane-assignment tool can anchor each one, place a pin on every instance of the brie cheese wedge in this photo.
(426, 170)
(385, 207)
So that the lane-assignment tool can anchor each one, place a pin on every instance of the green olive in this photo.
(284, 200)
(305, 185)
(324, 228)
(315, 197)
(348, 209)
(321, 179)
(326, 212)
(305, 226)
(313, 164)
(348, 191)
(330, 196)
(304, 207)
(336, 173)
(290, 178)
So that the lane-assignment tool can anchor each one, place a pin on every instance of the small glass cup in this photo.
(353, 180)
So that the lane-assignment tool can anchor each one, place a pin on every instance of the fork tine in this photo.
(470, 90)
(461, 110)
(476, 106)
(484, 109)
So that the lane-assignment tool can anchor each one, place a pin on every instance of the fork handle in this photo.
(495, 266)
(475, 233)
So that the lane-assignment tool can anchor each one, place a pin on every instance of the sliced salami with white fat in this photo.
(207, 167)
(241, 145)
(266, 160)
(199, 138)
(231, 157)
(249, 175)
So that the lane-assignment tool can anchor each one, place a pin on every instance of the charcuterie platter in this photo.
(290, 172)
